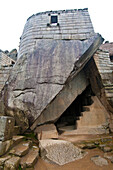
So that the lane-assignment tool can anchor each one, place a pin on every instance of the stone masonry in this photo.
(6, 64)
(71, 25)
(105, 68)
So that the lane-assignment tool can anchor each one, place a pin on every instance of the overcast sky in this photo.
(14, 13)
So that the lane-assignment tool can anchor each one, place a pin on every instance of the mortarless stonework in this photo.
(72, 25)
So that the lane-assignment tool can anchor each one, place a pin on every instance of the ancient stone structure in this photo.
(61, 85)
(58, 25)
(56, 76)
(6, 64)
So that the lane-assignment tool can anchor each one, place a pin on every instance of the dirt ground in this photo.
(81, 164)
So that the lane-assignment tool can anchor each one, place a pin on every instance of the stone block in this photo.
(59, 152)
(12, 163)
(3, 159)
(6, 127)
(98, 160)
(21, 149)
(31, 158)
(5, 146)
(66, 36)
(58, 36)
(47, 131)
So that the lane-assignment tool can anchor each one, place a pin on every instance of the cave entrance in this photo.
(73, 112)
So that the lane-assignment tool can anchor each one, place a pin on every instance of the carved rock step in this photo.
(21, 149)
(17, 139)
(12, 163)
(96, 117)
(66, 128)
(31, 158)
(3, 159)
(47, 131)
(86, 108)
(5, 146)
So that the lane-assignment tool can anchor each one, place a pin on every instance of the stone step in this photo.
(31, 158)
(94, 120)
(12, 163)
(4, 159)
(17, 139)
(21, 149)
(66, 128)
(47, 131)
(86, 108)
(5, 146)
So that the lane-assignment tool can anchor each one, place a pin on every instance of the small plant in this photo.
(19, 168)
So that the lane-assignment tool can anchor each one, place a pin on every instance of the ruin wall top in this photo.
(61, 25)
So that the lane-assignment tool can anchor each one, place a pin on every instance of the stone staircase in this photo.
(93, 119)
(16, 152)
(22, 154)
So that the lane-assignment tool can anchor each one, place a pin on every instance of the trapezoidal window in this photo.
(54, 19)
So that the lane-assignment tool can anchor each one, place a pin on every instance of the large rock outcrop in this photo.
(49, 74)
(38, 77)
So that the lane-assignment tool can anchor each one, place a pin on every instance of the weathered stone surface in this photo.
(111, 123)
(3, 159)
(107, 47)
(13, 54)
(63, 100)
(21, 149)
(94, 121)
(105, 69)
(71, 25)
(36, 78)
(30, 159)
(16, 130)
(106, 149)
(59, 151)
(17, 139)
(109, 156)
(98, 160)
(6, 127)
(12, 163)
(47, 131)
(20, 119)
(5, 146)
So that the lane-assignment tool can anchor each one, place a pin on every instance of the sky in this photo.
(14, 13)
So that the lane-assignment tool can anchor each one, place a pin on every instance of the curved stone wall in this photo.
(71, 24)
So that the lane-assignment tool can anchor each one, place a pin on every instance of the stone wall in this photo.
(5, 60)
(105, 68)
(6, 64)
(71, 24)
